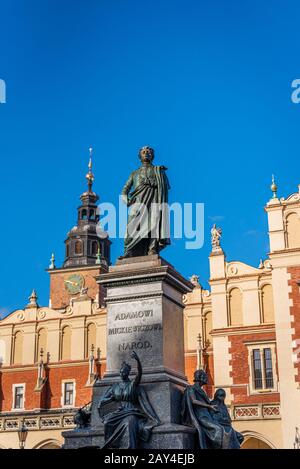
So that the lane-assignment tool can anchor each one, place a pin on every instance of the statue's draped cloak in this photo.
(223, 418)
(132, 421)
(211, 435)
(147, 193)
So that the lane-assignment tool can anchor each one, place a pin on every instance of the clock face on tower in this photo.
(74, 283)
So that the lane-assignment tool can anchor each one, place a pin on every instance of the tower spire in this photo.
(83, 242)
(274, 187)
(90, 176)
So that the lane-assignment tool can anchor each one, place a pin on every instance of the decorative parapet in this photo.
(255, 411)
(53, 420)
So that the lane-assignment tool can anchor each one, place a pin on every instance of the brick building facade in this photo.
(250, 331)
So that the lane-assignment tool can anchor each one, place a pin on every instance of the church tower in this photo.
(87, 254)
(83, 244)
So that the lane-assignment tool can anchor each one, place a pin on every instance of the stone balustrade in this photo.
(50, 420)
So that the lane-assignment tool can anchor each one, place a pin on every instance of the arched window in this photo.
(66, 343)
(235, 307)
(41, 342)
(18, 348)
(84, 214)
(94, 247)
(255, 443)
(208, 327)
(92, 214)
(78, 247)
(90, 338)
(267, 303)
(48, 444)
(293, 230)
(67, 250)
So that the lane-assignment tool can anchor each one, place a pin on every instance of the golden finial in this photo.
(91, 155)
(274, 187)
(90, 177)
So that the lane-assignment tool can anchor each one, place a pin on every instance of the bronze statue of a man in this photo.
(146, 193)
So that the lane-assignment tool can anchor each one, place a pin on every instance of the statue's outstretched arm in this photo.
(196, 401)
(138, 377)
(203, 404)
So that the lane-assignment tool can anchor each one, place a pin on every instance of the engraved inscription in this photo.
(141, 317)
(135, 345)
(134, 329)
(134, 315)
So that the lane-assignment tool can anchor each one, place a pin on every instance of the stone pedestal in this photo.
(145, 314)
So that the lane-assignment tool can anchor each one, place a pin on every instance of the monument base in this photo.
(168, 436)
(145, 315)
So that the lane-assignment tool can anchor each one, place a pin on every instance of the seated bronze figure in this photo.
(134, 418)
(214, 431)
(222, 416)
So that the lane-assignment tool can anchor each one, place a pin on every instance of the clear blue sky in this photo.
(206, 83)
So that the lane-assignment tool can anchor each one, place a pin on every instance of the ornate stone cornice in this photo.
(150, 275)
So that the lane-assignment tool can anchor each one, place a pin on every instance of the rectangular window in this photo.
(19, 397)
(69, 393)
(268, 368)
(258, 383)
(262, 368)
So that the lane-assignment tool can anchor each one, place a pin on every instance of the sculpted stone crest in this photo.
(216, 234)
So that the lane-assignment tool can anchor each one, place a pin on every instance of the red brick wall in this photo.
(56, 376)
(295, 312)
(50, 395)
(240, 369)
(191, 366)
(29, 377)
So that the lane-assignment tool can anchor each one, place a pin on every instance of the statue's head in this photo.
(220, 395)
(146, 154)
(125, 370)
(200, 377)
